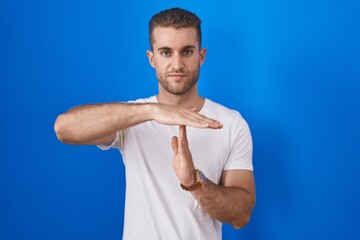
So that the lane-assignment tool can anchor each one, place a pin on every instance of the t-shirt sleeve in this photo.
(114, 144)
(240, 156)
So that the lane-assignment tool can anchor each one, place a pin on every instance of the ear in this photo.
(150, 56)
(202, 55)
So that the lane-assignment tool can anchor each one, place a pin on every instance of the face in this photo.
(176, 58)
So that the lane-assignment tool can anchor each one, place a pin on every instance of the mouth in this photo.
(177, 77)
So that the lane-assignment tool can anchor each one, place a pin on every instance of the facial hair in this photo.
(188, 82)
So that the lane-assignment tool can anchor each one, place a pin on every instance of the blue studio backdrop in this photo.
(292, 68)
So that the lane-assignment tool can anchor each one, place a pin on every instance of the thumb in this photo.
(175, 144)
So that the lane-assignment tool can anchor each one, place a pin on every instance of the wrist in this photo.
(147, 111)
(189, 180)
(200, 181)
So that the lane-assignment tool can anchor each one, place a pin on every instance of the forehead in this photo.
(174, 38)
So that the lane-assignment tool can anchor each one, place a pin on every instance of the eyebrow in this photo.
(168, 48)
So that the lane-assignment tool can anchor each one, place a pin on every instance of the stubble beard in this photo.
(187, 85)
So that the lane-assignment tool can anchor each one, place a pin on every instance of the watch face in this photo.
(202, 177)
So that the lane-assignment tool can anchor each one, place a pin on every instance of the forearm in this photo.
(96, 123)
(232, 205)
(90, 122)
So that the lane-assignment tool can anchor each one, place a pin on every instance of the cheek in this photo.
(160, 70)
(193, 63)
(160, 65)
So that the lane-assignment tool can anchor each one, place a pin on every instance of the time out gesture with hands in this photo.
(98, 124)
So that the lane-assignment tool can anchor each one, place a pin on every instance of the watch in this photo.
(200, 181)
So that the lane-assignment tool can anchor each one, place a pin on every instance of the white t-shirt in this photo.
(155, 206)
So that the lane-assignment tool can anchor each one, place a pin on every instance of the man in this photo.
(185, 171)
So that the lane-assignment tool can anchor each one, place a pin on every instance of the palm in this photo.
(182, 163)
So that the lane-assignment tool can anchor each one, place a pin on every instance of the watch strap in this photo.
(198, 182)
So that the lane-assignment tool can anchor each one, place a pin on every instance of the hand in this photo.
(183, 163)
(176, 115)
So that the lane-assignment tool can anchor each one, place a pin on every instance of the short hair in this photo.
(176, 18)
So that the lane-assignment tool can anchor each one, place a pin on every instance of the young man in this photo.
(185, 171)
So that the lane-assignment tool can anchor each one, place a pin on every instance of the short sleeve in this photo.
(240, 156)
(114, 144)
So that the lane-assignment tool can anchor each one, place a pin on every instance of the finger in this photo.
(204, 122)
(196, 120)
(182, 136)
(182, 132)
(215, 124)
(183, 141)
(174, 144)
(211, 123)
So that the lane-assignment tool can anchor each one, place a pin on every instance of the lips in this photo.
(177, 76)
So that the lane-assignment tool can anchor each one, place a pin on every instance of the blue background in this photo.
(292, 68)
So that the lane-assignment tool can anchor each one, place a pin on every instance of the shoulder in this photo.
(213, 109)
(232, 120)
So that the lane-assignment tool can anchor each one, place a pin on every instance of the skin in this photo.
(176, 58)
(232, 201)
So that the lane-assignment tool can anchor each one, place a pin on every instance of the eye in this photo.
(187, 52)
(165, 53)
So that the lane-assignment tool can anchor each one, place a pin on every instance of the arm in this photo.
(232, 201)
(98, 123)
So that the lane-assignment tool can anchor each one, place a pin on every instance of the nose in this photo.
(177, 62)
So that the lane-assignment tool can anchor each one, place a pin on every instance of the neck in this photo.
(190, 99)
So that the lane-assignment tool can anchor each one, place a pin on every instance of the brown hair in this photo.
(176, 18)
